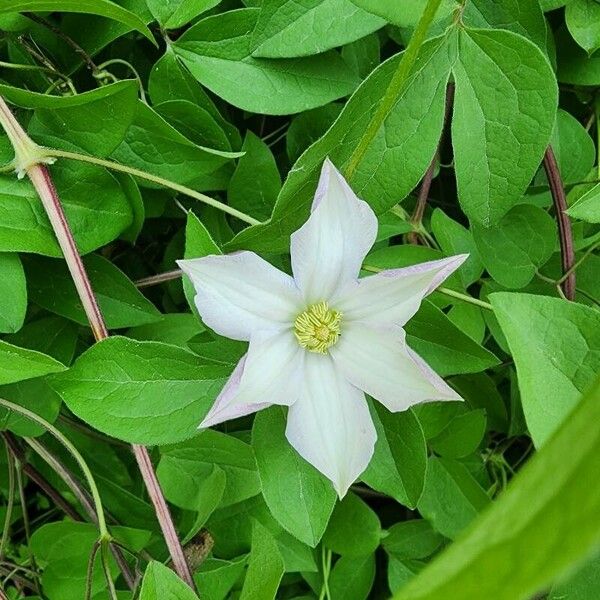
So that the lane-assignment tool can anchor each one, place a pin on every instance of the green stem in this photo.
(475, 301)
(74, 453)
(11, 499)
(55, 153)
(395, 87)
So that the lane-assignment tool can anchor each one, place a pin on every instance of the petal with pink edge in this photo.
(394, 296)
(270, 373)
(378, 361)
(240, 294)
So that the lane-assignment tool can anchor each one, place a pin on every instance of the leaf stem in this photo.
(481, 303)
(56, 153)
(567, 250)
(10, 500)
(395, 87)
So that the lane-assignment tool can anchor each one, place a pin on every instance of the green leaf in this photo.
(354, 528)
(173, 14)
(298, 496)
(363, 55)
(453, 239)
(154, 146)
(556, 348)
(51, 335)
(412, 539)
(403, 14)
(94, 203)
(445, 347)
(35, 395)
(184, 467)
(400, 456)
(352, 577)
(462, 436)
(286, 28)
(17, 364)
(392, 164)
(196, 123)
(141, 392)
(573, 147)
(162, 583)
(13, 299)
(540, 527)
(102, 8)
(216, 577)
(173, 328)
(452, 498)
(121, 303)
(265, 567)
(307, 127)
(94, 121)
(587, 208)
(218, 53)
(481, 391)
(255, 183)
(583, 21)
(575, 65)
(504, 84)
(524, 18)
(170, 80)
(518, 245)
(583, 584)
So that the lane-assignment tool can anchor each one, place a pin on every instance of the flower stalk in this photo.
(31, 160)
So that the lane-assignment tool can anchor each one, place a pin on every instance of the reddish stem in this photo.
(567, 250)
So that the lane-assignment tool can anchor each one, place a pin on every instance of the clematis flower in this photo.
(322, 339)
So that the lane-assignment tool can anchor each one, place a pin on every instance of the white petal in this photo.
(378, 361)
(239, 294)
(328, 250)
(330, 425)
(394, 296)
(270, 373)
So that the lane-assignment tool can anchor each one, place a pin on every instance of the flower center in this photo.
(318, 327)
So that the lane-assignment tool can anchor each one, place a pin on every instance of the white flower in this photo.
(323, 338)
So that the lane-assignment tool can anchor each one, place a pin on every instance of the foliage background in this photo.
(240, 103)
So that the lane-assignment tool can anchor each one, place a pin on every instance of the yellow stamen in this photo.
(318, 327)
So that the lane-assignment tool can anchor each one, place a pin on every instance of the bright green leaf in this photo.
(141, 392)
(218, 53)
(286, 28)
(297, 495)
(13, 296)
(400, 456)
(556, 348)
(121, 303)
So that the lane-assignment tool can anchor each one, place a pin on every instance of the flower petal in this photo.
(328, 250)
(269, 373)
(394, 296)
(378, 361)
(239, 294)
(330, 425)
